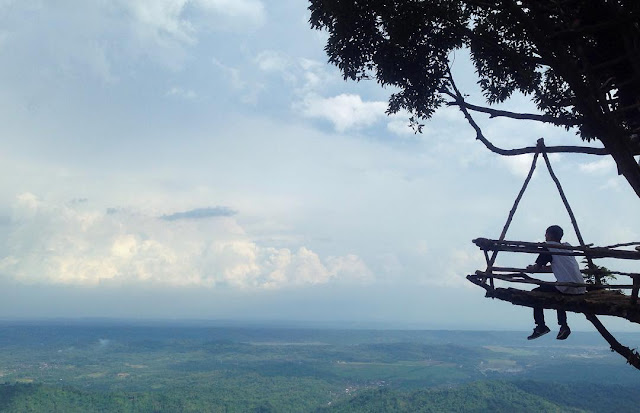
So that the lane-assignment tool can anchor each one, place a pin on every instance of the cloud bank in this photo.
(73, 244)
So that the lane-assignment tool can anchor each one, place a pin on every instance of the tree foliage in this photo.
(577, 60)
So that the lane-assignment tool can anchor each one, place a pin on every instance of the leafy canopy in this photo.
(545, 49)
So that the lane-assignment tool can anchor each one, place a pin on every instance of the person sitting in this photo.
(565, 268)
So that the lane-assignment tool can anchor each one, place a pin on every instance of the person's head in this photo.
(554, 233)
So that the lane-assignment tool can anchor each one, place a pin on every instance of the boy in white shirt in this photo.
(566, 269)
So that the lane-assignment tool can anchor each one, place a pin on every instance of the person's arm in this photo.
(542, 263)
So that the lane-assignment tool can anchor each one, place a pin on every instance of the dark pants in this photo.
(538, 314)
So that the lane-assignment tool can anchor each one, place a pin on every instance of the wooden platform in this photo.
(599, 302)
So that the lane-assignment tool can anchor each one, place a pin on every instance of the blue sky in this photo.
(200, 159)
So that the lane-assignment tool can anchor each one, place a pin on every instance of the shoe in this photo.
(538, 332)
(563, 333)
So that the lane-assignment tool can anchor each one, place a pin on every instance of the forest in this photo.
(163, 367)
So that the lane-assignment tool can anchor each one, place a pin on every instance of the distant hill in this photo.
(495, 396)
(483, 396)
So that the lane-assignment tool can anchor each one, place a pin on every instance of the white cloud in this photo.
(345, 111)
(164, 29)
(450, 114)
(165, 18)
(399, 124)
(349, 267)
(601, 166)
(272, 61)
(400, 127)
(316, 77)
(73, 244)
(518, 165)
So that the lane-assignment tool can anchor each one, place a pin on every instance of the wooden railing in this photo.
(520, 275)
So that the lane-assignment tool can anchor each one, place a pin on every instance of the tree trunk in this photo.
(623, 156)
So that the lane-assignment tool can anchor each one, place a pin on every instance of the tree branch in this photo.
(517, 151)
(632, 356)
(495, 113)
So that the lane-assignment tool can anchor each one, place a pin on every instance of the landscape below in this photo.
(200, 367)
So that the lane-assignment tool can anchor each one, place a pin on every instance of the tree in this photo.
(577, 60)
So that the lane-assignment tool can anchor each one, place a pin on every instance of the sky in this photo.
(200, 159)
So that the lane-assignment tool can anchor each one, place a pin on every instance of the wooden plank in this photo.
(584, 271)
(537, 248)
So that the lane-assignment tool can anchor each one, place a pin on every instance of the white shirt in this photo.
(566, 269)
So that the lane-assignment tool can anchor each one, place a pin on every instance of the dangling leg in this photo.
(562, 318)
(564, 327)
(538, 316)
(541, 329)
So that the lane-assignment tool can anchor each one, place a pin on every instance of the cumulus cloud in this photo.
(74, 244)
(345, 111)
(201, 213)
